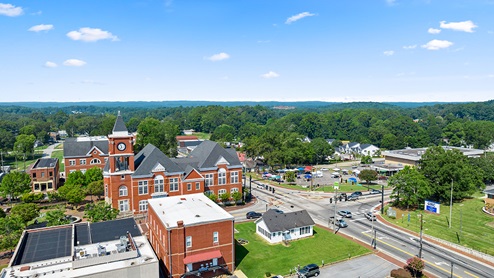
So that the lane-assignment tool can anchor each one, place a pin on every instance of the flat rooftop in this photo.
(416, 154)
(191, 209)
(80, 249)
(45, 163)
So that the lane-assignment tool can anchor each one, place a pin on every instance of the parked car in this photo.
(375, 191)
(278, 210)
(345, 213)
(277, 276)
(356, 193)
(260, 185)
(352, 198)
(370, 216)
(309, 271)
(252, 215)
(339, 222)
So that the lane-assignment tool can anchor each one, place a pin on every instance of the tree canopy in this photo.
(100, 211)
(410, 188)
(15, 184)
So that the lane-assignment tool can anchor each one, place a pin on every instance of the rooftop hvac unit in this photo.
(121, 248)
(101, 250)
(123, 240)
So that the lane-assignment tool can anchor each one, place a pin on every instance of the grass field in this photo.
(59, 155)
(202, 135)
(477, 228)
(258, 256)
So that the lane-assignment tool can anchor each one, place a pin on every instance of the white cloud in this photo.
(388, 53)
(465, 26)
(91, 35)
(10, 10)
(298, 17)
(270, 75)
(218, 57)
(408, 47)
(74, 63)
(49, 64)
(437, 44)
(434, 31)
(391, 2)
(41, 27)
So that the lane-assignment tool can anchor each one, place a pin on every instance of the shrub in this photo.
(415, 265)
(400, 273)
(32, 197)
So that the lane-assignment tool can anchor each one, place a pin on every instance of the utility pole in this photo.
(421, 231)
(335, 201)
(451, 205)
(451, 269)
(382, 199)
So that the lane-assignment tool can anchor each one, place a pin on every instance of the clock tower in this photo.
(120, 166)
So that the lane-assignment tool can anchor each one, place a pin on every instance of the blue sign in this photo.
(432, 207)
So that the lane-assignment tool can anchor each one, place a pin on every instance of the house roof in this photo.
(279, 222)
(45, 163)
(365, 146)
(187, 138)
(80, 146)
(149, 158)
(208, 153)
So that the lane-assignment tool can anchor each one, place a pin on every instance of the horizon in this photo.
(218, 51)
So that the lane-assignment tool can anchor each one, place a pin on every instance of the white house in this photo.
(276, 227)
(368, 149)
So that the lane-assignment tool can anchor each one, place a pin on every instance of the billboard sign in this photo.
(432, 207)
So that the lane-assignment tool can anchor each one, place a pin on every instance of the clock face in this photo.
(121, 146)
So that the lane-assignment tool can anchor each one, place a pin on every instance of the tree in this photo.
(415, 265)
(24, 144)
(56, 217)
(290, 176)
(237, 196)
(72, 193)
(100, 211)
(11, 228)
(26, 212)
(446, 168)
(411, 188)
(212, 197)
(366, 159)
(95, 188)
(225, 197)
(76, 178)
(15, 184)
(161, 134)
(321, 150)
(93, 174)
(223, 133)
(368, 175)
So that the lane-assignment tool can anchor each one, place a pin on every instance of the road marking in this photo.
(466, 272)
(412, 255)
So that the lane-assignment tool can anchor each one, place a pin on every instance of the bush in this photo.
(32, 197)
(54, 196)
(415, 265)
(213, 197)
(400, 273)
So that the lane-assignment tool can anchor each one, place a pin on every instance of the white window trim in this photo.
(123, 187)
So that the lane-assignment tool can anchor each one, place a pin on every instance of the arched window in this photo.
(221, 176)
(159, 184)
(122, 191)
(95, 161)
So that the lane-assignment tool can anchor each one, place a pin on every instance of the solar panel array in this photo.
(46, 245)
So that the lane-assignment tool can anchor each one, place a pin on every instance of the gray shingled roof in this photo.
(149, 157)
(209, 152)
(119, 124)
(279, 222)
(45, 163)
(73, 148)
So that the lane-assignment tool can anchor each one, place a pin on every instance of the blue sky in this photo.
(257, 50)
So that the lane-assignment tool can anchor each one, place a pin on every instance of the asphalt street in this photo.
(396, 243)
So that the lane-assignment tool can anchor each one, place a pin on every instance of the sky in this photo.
(247, 50)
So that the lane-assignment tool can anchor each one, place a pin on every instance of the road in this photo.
(398, 244)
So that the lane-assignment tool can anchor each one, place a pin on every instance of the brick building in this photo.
(83, 153)
(131, 179)
(192, 236)
(44, 175)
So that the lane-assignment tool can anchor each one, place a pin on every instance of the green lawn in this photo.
(202, 135)
(258, 256)
(59, 155)
(477, 228)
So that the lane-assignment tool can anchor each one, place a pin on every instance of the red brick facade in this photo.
(170, 246)
(44, 176)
